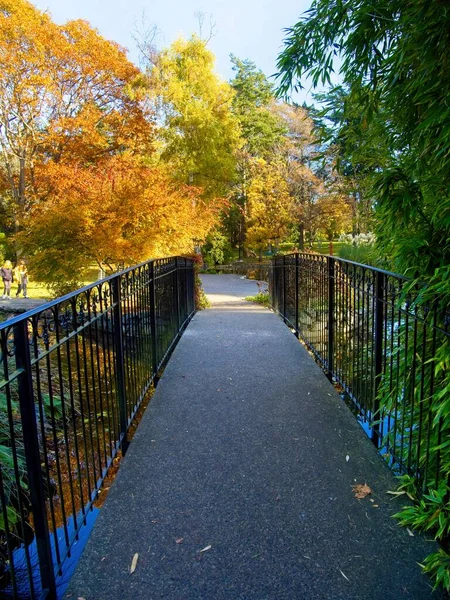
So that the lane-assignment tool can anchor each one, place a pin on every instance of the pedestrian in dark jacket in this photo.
(7, 278)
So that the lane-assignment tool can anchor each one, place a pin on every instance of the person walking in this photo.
(21, 274)
(17, 278)
(23, 279)
(6, 274)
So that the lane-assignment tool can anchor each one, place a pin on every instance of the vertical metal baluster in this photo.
(65, 418)
(284, 288)
(102, 395)
(379, 321)
(296, 294)
(32, 458)
(56, 450)
(153, 321)
(434, 325)
(423, 359)
(40, 383)
(177, 296)
(119, 356)
(104, 369)
(13, 435)
(330, 261)
(412, 423)
(90, 382)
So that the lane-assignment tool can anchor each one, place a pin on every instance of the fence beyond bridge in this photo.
(73, 374)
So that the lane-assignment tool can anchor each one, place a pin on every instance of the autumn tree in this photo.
(299, 149)
(270, 205)
(355, 147)
(115, 213)
(334, 214)
(80, 178)
(198, 133)
(31, 52)
(262, 131)
(62, 89)
(67, 96)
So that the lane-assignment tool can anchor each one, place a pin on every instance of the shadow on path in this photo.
(238, 482)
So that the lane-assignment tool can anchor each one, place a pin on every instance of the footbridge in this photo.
(248, 476)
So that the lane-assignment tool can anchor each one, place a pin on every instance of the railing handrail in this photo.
(350, 262)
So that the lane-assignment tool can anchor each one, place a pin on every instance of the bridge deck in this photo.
(238, 484)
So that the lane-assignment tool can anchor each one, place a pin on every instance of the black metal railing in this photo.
(372, 336)
(73, 374)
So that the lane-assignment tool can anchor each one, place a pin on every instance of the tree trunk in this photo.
(301, 238)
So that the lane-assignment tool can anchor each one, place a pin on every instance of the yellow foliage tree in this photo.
(335, 214)
(270, 206)
(199, 133)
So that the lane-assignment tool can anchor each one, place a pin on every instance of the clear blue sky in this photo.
(247, 28)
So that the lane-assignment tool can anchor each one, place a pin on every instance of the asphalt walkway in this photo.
(238, 482)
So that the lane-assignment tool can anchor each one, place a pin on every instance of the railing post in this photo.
(187, 278)
(284, 288)
(297, 263)
(33, 459)
(153, 321)
(177, 294)
(331, 299)
(378, 351)
(120, 360)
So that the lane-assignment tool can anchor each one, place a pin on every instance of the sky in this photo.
(249, 29)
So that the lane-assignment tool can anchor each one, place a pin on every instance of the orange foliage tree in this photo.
(116, 213)
(79, 177)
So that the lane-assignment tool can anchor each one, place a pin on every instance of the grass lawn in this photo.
(40, 291)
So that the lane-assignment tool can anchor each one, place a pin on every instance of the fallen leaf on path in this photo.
(347, 458)
(410, 532)
(361, 490)
(134, 563)
(179, 540)
(205, 549)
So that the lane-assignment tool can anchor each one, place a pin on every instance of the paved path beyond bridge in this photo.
(238, 483)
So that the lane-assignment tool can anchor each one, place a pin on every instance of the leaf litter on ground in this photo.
(134, 563)
(361, 490)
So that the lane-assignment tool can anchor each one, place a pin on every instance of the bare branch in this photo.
(200, 15)
(145, 35)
